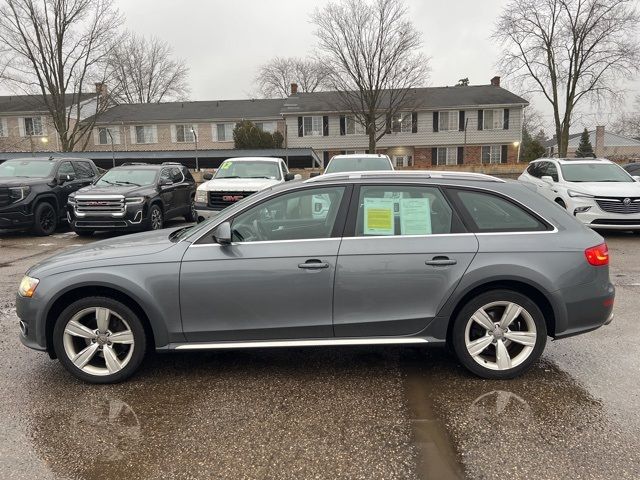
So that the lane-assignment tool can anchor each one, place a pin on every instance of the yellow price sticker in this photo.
(379, 219)
(225, 165)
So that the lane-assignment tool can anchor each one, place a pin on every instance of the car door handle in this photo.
(313, 265)
(440, 262)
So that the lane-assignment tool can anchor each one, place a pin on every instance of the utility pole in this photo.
(113, 154)
(195, 139)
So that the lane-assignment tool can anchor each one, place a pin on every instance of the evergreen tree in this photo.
(531, 148)
(584, 148)
(247, 136)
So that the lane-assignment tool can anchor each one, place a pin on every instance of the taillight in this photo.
(598, 255)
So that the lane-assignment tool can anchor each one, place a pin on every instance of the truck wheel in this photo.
(45, 219)
(156, 218)
(192, 216)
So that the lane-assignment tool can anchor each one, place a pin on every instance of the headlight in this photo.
(201, 196)
(28, 286)
(573, 193)
(18, 193)
(71, 200)
(134, 200)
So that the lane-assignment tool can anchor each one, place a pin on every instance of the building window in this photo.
(402, 123)
(312, 126)
(144, 134)
(3, 128)
(492, 154)
(403, 161)
(105, 139)
(184, 134)
(493, 119)
(448, 121)
(269, 127)
(223, 132)
(352, 126)
(33, 126)
(447, 156)
(355, 152)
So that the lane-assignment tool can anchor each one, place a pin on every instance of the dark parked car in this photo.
(134, 197)
(487, 266)
(34, 190)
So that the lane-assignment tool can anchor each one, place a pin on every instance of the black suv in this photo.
(134, 197)
(34, 190)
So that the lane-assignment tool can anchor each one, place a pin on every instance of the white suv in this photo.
(236, 179)
(359, 162)
(598, 192)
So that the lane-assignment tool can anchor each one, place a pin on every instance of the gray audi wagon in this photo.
(484, 265)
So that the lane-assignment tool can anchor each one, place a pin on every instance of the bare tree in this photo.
(628, 123)
(569, 51)
(275, 77)
(144, 71)
(58, 48)
(371, 53)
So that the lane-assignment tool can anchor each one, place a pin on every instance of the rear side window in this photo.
(534, 170)
(491, 213)
(386, 210)
(83, 169)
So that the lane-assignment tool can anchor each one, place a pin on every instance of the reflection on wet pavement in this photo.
(543, 425)
(305, 413)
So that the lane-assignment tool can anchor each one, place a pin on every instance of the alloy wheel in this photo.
(47, 219)
(156, 219)
(500, 335)
(98, 341)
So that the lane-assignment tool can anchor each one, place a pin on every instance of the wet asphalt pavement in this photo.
(353, 413)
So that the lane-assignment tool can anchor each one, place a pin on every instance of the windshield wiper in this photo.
(178, 233)
(123, 182)
(230, 176)
(108, 181)
(262, 176)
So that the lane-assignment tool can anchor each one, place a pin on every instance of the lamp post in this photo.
(113, 154)
(195, 139)
(517, 144)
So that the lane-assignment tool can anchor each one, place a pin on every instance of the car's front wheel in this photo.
(45, 219)
(156, 217)
(99, 340)
(192, 215)
(499, 334)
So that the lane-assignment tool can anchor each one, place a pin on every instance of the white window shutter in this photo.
(96, 136)
(116, 134)
(154, 133)
(195, 128)
(214, 132)
(132, 132)
(21, 126)
(43, 122)
(5, 128)
(173, 134)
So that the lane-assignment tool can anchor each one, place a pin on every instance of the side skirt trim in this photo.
(298, 343)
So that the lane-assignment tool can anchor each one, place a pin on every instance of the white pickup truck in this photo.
(236, 179)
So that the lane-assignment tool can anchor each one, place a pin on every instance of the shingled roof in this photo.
(33, 103)
(420, 98)
(193, 111)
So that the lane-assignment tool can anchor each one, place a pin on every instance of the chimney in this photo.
(101, 90)
(599, 147)
(495, 81)
(294, 89)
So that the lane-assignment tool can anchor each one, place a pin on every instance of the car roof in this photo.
(572, 160)
(359, 155)
(253, 159)
(142, 166)
(391, 175)
(47, 159)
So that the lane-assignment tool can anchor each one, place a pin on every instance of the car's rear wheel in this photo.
(192, 216)
(99, 340)
(46, 219)
(156, 218)
(499, 334)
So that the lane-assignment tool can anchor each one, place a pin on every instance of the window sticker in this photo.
(226, 165)
(415, 216)
(378, 216)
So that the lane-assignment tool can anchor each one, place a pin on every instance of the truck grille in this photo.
(618, 205)
(100, 205)
(4, 197)
(221, 200)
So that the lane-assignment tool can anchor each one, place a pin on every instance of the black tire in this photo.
(45, 219)
(459, 334)
(156, 218)
(192, 216)
(84, 233)
(560, 202)
(120, 310)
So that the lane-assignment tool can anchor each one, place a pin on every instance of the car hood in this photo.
(607, 189)
(238, 184)
(146, 243)
(22, 181)
(111, 190)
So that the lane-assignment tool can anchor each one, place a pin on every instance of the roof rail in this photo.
(171, 163)
(130, 164)
(406, 174)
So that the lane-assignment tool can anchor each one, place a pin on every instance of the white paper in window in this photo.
(378, 216)
(415, 216)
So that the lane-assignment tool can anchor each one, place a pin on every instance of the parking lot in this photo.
(353, 412)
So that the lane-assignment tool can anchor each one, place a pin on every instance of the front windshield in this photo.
(248, 169)
(594, 172)
(122, 176)
(357, 164)
(26, 168)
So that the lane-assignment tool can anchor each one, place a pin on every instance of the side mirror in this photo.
(165, 182)
(207, 176)
(65, 178)
(222, 233)
(288, 177)
(547, 179)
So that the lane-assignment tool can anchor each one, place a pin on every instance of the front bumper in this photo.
(132, 219)
(17, 217)
(205, 211)
(32, 332)
(595, 217)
